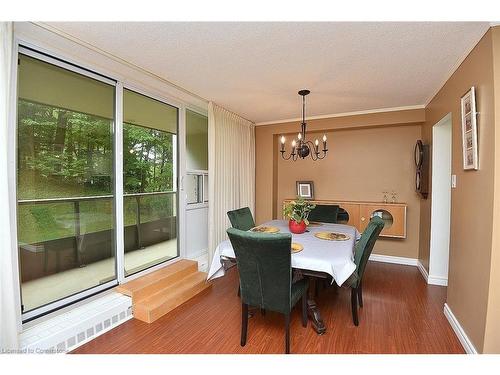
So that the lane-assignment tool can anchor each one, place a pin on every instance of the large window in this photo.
(66, 237)
(150, 170)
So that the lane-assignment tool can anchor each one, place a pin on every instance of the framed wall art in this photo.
(469, 130)
(305, 189)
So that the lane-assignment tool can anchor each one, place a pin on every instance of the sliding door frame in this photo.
(178, 155)
(55, 305)
(49, 55)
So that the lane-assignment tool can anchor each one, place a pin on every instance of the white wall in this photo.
(197, 236)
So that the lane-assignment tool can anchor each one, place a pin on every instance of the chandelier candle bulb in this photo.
(282, 143)
(316, 144)
(299, 136)
(324, 142)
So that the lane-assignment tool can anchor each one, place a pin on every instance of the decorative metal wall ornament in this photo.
(301, 148)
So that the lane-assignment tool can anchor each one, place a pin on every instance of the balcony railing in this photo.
(75, 217)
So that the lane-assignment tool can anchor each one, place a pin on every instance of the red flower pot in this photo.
(297, 228)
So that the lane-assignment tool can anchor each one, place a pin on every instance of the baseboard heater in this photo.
(75, 327)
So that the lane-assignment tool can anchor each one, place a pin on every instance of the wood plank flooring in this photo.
(401, 314)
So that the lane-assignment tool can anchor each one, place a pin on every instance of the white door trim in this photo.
(440, 201)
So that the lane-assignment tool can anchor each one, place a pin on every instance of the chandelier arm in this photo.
(284, 157)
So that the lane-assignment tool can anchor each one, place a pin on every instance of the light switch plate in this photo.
(453, 181)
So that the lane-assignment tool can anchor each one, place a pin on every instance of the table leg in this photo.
(313, 310)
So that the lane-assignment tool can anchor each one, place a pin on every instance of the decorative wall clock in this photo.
(421, 154)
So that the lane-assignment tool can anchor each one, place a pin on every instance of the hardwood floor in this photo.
(401, 314)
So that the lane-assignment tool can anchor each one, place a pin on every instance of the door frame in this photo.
(439, 241)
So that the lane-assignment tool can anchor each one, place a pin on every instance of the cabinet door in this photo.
(394, 217)
(353, 215)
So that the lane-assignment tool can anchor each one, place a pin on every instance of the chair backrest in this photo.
(241, 219)
(325, 213)
(264, 266)
(364, 246)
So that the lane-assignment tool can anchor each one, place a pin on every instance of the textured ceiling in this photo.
(256, 69)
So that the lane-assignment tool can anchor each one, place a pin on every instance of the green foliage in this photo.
(62, 153)
(298, 210)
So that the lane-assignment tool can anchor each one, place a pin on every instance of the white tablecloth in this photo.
(332, 257)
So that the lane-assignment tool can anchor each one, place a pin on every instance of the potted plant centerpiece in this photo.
(297, 212)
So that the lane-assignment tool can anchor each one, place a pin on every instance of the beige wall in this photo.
(361, 164)
(472, 199)
(350, 171)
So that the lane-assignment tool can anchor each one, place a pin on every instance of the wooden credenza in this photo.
(358, 214)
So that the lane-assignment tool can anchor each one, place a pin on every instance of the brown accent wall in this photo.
(369, 154)
(472, 199)
(492, 328)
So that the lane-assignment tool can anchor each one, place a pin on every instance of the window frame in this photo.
(204, 172)
(204, 194)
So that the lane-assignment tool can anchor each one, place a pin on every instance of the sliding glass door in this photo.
(67, 158)
(65, 177)
(149, 181)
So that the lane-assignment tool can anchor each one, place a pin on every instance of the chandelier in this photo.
(301, 148)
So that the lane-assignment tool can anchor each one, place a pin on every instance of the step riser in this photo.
(163, 283)
(146, 315)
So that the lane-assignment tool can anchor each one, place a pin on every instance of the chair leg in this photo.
(304, 310)
(354, 306)
(262, 311)
(244, 323)
(239, 290)
(287, 333)
(360, 295)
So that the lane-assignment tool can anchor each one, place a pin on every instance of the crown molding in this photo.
(456, 65)
(344, 114)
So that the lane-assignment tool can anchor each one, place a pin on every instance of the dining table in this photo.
(319, 258)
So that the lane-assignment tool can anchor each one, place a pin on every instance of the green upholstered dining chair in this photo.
(324, 213)
(362, 251)
(241, 219)
(264, 267)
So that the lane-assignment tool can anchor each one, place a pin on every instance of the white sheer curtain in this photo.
(8, 313)
(231, 168)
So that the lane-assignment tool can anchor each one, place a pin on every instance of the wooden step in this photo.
(156, 305)
(153, 282)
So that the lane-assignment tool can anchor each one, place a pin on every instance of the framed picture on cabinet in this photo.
(469, 130)
(305, 189)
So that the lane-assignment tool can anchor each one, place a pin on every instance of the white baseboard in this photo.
(430, 279)
(459, 331)
(423, 271)
(437, 280)
(393, 259)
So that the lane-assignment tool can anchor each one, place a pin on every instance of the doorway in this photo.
(440, 202)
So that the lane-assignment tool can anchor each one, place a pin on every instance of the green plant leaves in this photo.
(298, 210)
